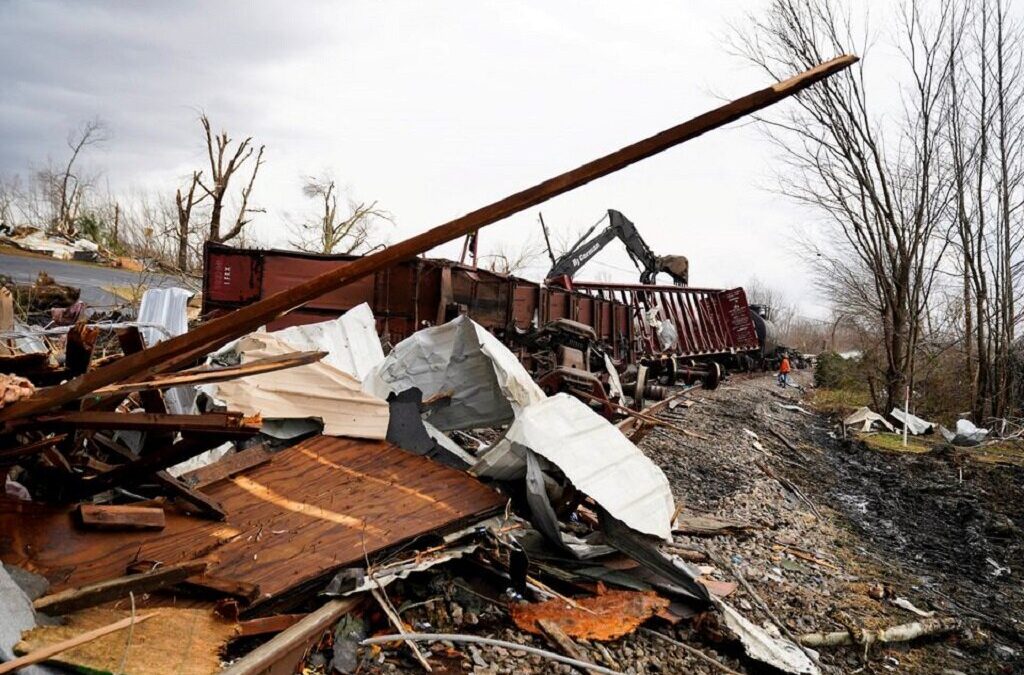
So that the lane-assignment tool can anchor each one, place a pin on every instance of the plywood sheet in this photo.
(183, 641)
(314, 508)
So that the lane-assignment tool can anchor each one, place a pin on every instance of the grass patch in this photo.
(840, 402)
(887, 442)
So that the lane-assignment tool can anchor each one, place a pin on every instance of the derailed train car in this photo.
(685, 327)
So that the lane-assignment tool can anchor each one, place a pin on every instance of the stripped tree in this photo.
(184, 205)
(327, 232)
(224, 164)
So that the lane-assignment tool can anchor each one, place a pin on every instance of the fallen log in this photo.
(867, 636)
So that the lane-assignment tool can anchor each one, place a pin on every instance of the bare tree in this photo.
(327, 232)
(879, 187)
(986, 143)
(63, 188)
(224, 164)
(184, 204)
(508, 258)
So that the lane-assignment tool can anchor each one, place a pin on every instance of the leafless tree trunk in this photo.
(224, 164)
(986, 142)
(184, 204)
(326, 232)
(883, 201)
(67, 187)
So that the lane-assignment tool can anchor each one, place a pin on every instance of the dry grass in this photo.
(886, 442)
(839, 402)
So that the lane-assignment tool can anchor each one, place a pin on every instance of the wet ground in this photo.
(940, 529)
(842, 536)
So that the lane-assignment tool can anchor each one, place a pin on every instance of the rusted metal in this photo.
(602, 617)
(709, 322)
(168, 355)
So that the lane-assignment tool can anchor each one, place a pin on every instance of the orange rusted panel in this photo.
(603, 617)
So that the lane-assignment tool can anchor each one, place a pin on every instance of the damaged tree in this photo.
(224, 164)
(328, 232)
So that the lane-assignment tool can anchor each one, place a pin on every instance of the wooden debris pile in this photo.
(173, 561)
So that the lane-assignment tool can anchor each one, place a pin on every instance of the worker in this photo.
(784, 372)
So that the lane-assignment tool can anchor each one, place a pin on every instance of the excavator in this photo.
(619, 227)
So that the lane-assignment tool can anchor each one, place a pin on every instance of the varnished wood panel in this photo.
(313, 508)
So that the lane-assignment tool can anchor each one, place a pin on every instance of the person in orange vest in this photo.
(784, 372)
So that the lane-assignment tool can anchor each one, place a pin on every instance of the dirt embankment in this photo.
(940, 530)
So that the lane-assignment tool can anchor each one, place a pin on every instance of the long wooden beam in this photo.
(218, 331)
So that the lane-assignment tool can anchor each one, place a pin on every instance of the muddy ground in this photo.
(841, 533)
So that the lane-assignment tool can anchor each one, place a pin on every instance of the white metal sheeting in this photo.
(351, 341)
(488, 384)
(163, 314)
(593, 455)
(315, 390)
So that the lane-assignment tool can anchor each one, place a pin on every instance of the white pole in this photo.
(906, 416)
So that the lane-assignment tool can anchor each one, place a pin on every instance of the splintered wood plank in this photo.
(107, 517)
(226, 466)
(310, 510)
(74, 599)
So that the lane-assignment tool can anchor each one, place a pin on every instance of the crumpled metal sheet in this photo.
(488, 383)
(16, 615)
(866, 417)
(607, 616)
(915, 424)
(351, 341)
(966, 433)
(777, 652)
(593, 455)
(315, 390)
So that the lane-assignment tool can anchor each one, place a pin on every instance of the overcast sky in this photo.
(434, 109)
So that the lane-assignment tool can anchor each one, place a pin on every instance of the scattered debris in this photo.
(915, 425)
(865, 419)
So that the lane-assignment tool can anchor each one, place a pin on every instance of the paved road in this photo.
(90, 278)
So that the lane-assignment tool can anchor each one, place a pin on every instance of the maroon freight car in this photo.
(710, 324)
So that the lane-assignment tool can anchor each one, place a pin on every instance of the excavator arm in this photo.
(620, 227)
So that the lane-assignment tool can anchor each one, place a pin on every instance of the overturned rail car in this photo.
(710, 324)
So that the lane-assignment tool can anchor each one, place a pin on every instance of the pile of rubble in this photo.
(274, 506)
(304, 464)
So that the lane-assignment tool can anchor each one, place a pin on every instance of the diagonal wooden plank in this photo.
(218, 331)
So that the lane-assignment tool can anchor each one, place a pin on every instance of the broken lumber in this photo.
(226, 467)
(231, 423)
(208, 375)
(45, 653)
(282, 653)
(141, 467)
(866, 636)
(74, 599)
(205, 505)
(267, 624)
(113, 517)
(169, 354)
